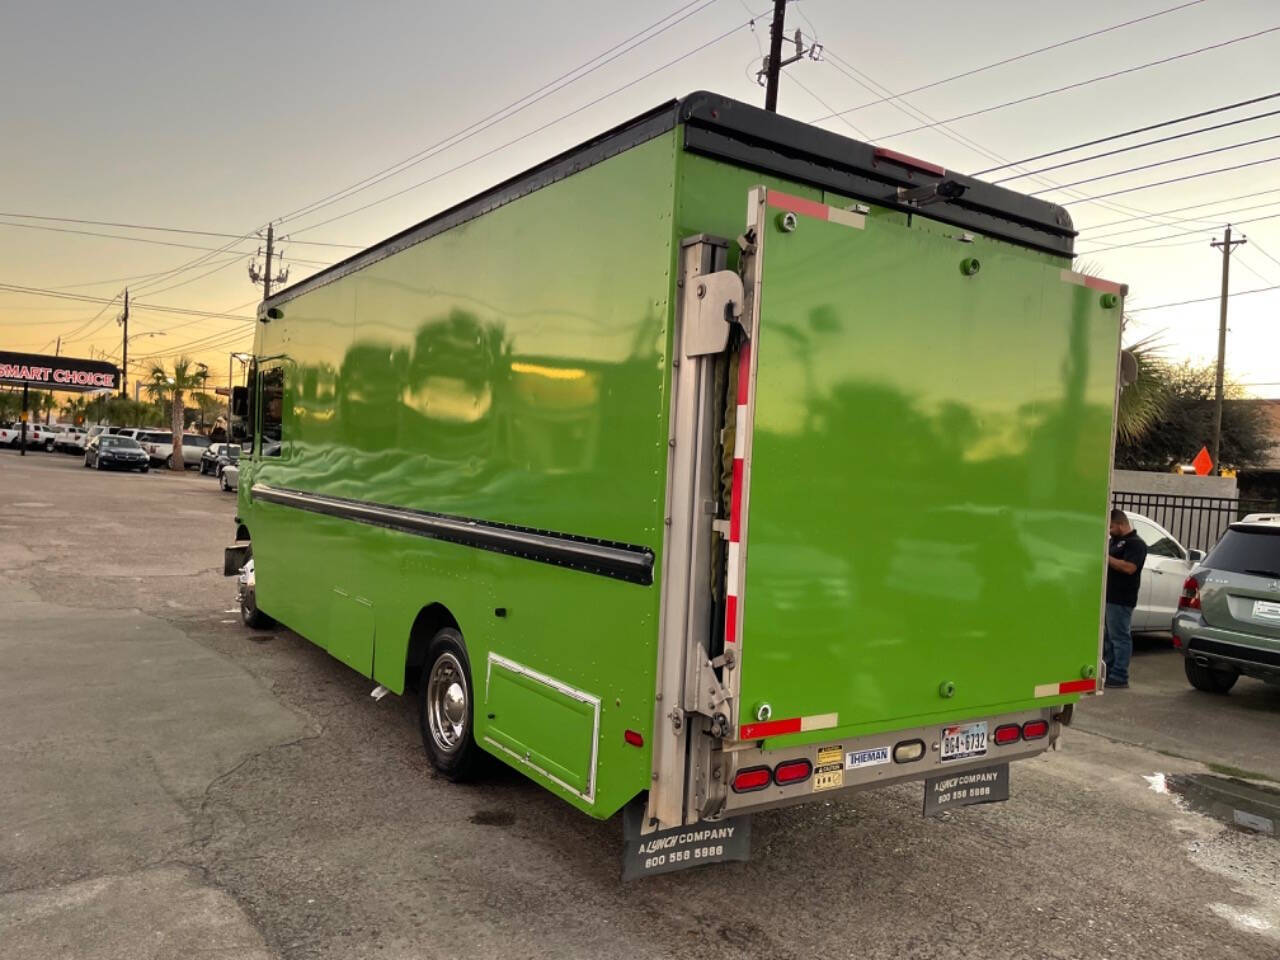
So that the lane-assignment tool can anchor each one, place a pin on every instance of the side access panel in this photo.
(918, 522)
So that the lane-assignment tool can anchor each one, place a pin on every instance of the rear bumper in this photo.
(1245, 653)
(866, 770)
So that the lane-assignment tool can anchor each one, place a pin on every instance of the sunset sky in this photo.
(210, 121)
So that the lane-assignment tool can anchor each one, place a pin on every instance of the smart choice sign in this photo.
(57, 373)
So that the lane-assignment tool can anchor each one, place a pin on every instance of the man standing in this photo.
(1126, 554)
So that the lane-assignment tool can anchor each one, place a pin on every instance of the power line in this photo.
(1015, 59)
(1145, 143)
(1084, 83)
(1258, 249)
(505, 113)
(160, 243)
(141, 226)
(1171, 236)
(524, 136)
(1214, 218)
(1162, 183)
(1158, 163)
(1215, 297)
(1133, 132)
(84, 298)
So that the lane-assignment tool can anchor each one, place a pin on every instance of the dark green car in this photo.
(1228, 619)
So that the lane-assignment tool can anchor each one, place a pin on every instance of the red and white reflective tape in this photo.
(812, 208)
(777, 728)
(1068, 686)
(741, 426)
(1093, 283)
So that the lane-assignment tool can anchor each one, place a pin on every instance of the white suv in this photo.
(159, 447)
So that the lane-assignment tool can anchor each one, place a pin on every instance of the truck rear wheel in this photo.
(446, 708)
(1208, 679)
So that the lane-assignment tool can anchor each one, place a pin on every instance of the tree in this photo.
(1143, 402)
(170, 385)
(1186, 424)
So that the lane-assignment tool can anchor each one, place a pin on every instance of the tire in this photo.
(446, 708)
(98, 463)
(222, 482)
(48, 446)
(1208, 679)
(169, 462)
(146, 469)
(251, 616)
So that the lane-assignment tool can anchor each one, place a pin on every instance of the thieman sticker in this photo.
(828, 755)
(870, 757)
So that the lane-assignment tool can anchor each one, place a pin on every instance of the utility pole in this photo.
(123, 320)
(264, 276)
(1226, 244)
(774, 65)
(771, 69)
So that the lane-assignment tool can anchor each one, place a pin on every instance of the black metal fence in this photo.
(1196, 522)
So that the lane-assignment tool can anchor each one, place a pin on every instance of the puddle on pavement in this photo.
(1237, 803)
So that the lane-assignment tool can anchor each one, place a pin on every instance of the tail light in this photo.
(752, 778)
(1035, 729)
(1007, 733)
(792, 771)
(1190, 599)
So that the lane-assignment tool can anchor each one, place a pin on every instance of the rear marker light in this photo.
(1007, 733)
(1190, 599)
(909, 751)
(752, 778)
(633, 738)
(1035, 729)
(792, 771)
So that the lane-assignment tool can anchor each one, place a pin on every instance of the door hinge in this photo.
(711, 302)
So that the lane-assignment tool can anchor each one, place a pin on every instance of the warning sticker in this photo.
(828, 755)
(828, 776)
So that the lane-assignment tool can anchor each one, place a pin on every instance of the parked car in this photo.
(229, 479)
(159, 446)
(38, 435)
(216, 456)
(1168, 565)
(71, 439)
(1228, 621)
(106, 452)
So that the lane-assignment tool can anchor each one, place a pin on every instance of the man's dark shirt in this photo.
(1122, 588)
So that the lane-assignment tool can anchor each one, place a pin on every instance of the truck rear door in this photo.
(918, 515)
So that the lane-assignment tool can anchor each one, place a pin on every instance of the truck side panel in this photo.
(511, 371)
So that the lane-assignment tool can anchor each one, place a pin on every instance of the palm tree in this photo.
(171, 385)
(1143, 402)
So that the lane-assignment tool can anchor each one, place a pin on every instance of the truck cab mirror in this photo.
(240, 401)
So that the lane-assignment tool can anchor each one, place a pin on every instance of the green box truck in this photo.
(720, 463)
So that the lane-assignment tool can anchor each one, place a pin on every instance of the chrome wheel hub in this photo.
(447, 703)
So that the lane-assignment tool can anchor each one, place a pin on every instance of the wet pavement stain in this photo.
(1237, 803)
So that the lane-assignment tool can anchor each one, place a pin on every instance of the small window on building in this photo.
(272, 411)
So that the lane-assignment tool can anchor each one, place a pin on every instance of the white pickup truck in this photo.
(38, 435)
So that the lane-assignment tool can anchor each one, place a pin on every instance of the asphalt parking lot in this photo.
(176, 786)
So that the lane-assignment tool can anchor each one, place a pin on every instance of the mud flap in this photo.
(665, 851)
(234, 558)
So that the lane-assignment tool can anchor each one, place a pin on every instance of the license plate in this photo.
(1266, 610)
(964, 740)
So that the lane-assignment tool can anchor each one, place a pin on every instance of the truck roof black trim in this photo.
(605, 558)
(730, 130)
